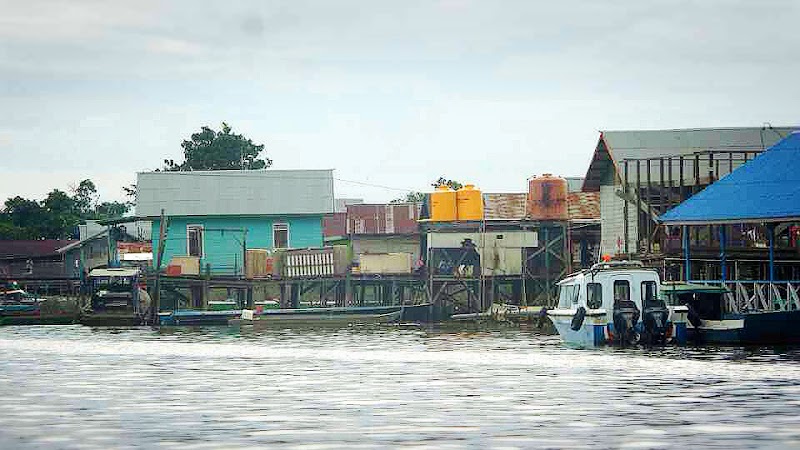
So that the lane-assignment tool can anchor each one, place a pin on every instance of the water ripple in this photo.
(374, 387)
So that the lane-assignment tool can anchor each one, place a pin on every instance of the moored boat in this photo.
(616, 303)
(18, 307)
(117, 299)
(337, 316)
(712, 319)
(191, 317)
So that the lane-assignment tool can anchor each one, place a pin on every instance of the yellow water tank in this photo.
(443, 204)
(470, 203)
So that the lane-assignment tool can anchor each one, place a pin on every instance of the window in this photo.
(568, 295)
(622, 291)
(594, 295)
(280, 235)
(194, 240)
(648, 292)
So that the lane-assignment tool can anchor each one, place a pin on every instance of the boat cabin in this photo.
(609, 286)
(707, 301)
(115, 290)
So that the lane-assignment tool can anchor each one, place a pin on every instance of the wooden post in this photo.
(244, 253)
(547, 265)
(669, 190)
(722, 253)
(680, 179)
(625, 207)
(649, 202)
(162, 236)
(661, 206)
(687, 272)
(639, 226)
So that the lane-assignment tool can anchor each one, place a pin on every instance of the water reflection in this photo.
(380, 386)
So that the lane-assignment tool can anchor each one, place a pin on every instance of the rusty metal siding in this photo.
(334, 224)
(583, 205)
(505, 206)
(393, 218)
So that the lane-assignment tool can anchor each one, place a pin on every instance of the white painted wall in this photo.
(612, 228)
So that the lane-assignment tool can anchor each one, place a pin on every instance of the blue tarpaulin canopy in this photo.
(765, 189)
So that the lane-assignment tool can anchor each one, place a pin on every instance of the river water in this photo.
(384, 386)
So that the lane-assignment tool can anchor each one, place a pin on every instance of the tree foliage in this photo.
(411, 197)
(417, 197)
(58, 215)
(85, 196)
(454, 185)
(219, 150)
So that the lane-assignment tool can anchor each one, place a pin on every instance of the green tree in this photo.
(62, 215)
(111, 210)
(58, 215)
(130, 192)
(219, 150)
(411, 197)
(85, 197)
(23, 213)
(455, 185)
(10, 231)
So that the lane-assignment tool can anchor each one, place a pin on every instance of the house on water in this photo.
(214, 217)
(641, 174)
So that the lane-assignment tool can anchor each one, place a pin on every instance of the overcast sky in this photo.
(387, 93)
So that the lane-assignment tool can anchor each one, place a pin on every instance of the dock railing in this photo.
(759, 295)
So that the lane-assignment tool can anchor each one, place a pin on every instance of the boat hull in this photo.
(325, 319)
(593, 332)
(756, 328)
(597, 331)
(197, 318)
(38, 319)
(111, 320)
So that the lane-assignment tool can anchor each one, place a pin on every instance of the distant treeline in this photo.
(58, 215)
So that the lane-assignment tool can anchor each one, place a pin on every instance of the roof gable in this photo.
(614, 147)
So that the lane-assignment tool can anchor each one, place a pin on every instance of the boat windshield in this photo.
(568, 295)
(114, 284)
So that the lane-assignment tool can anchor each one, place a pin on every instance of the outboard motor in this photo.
(626, 314)
(655, 317)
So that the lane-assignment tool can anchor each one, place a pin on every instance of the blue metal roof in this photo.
(766, 189)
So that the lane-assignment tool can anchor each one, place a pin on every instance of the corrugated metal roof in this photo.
(505, 206)
(583, 205)
(31, 248)
(235, 192)
(641, 144)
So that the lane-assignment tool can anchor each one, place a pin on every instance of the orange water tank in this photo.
(443, 205)
(547, 198)
(470, 203)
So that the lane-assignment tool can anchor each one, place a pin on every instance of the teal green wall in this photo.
(222, 247)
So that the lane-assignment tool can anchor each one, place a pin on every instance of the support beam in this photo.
(771, 239)
(625, 207)
(687, 270)
(722, 254)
